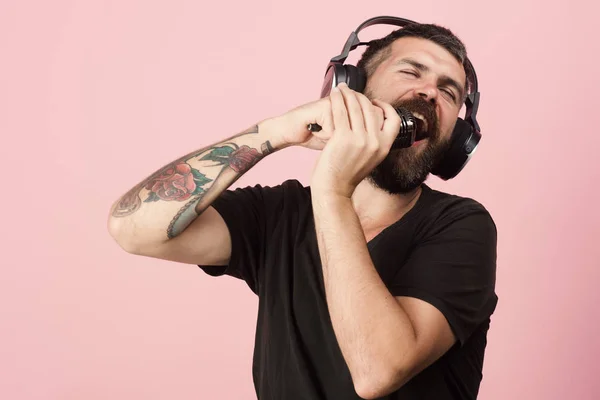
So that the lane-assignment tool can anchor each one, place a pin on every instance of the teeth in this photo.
(422, 118)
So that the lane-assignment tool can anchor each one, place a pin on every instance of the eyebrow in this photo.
(444, 79)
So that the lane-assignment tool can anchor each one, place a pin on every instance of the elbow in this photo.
(381, 384)
(123, 239)
(131, 240)
(366, 392)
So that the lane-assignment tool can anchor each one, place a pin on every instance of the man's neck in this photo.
(377, 209)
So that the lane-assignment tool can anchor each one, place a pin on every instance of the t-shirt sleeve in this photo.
(454, 269)
(247, 212)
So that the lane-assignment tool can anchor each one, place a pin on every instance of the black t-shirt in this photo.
(442, 251)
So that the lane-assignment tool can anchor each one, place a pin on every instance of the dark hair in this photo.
(378, 50)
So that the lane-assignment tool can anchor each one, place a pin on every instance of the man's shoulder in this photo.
(289, 186)
(447, 207)
(450, 201)
(290, 192)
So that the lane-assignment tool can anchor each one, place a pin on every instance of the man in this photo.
(370, 283)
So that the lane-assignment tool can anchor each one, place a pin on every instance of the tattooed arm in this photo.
(160, 208)
(168, 215)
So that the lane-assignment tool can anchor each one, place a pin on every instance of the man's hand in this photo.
(291, 128)
(362, 134)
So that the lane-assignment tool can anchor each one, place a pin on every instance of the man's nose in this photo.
(428, 92)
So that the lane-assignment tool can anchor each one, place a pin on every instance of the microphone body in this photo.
(409, 129)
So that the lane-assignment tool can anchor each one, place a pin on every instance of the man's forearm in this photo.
(367, 320)
(163, 205)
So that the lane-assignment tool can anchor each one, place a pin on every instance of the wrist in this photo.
(329, 197)
(270, 130)
(331, 189)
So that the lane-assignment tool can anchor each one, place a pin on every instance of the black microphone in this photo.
(411, 129)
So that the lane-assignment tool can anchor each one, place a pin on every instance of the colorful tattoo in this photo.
(184, 217)
(179, 181)
(129, 203)
(238, 158)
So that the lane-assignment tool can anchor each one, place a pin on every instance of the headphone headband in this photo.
(353, 40)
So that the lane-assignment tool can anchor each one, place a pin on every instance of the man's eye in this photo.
(413, 73)
(449, 93)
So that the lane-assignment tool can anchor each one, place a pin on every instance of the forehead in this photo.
(434, 56)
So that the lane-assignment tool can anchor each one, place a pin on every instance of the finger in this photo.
(372, 114)
(355, 110)
(339, 113)
(380, 117)
(322, 135)
(391, 123)
(325, 120)
(316, 144)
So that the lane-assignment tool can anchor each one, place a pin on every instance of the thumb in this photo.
(391, 123)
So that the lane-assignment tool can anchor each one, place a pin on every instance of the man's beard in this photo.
(404, 170)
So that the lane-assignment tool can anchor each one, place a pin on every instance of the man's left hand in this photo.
(363, 133)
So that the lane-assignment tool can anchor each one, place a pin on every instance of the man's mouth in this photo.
(422, 125)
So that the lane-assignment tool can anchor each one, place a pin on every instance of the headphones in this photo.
(466, 134)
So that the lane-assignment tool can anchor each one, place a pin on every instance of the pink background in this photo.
(95, 95)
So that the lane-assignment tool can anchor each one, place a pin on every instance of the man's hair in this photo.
(379, 50)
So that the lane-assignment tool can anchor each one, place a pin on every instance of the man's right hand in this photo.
(292, 126)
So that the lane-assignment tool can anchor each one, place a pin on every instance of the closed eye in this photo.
(409, 72)
(449, 93)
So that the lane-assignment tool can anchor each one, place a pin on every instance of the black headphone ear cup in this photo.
(355, 78)
(337, 73)
(333, 74)
(463, 142)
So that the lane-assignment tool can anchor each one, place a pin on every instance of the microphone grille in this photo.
(408, 129)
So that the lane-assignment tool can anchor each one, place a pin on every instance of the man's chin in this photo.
(409, 155)
(395, 187)
(416, 148)
(404, 170)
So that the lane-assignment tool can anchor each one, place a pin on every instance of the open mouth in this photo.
(422, 125)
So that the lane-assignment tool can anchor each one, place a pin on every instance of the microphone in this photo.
(411, 129)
